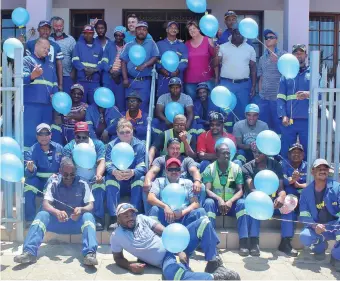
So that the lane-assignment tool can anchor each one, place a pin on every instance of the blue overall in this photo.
(288, 172)
(268, 114)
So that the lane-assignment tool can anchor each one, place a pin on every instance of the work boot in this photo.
(25, 257)
(254, 247)
(90, 259)
(99, 224)
(321, 256)
(223, 273)
(243, 249)
(213, 265)
(112, 225)
(287, 248)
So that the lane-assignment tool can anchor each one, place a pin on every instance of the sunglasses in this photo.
(174, 169)
(45, 134)
(124, 132)
(81, 137)
(270, 37)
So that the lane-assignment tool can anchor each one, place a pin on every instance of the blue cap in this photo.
(267, 31)
(202, 85)
(252, 107)
(120, 29)
(142, 24)
(230, 14)
(135, 95)
(172, 22)
(175, 81)
(44, 22)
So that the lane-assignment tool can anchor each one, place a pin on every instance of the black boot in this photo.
(213, 265)
(223, 273)
(243, 249)
(99, 224)
(254, 247)
(287, 248)
(113, 224)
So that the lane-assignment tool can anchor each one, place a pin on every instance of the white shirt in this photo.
(235, 60)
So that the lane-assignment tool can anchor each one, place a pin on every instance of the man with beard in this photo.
(101, 29)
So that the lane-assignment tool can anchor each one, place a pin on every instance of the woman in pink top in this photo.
(201, 54)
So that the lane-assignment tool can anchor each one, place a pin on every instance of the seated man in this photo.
(263, 162)
(188, 142)
(246, 131)
(95, 175)
(319, 210)
(72, 218)
(126, 181)
(136, 230)
(41, 161)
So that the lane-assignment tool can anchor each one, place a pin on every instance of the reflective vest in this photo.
(168, 134)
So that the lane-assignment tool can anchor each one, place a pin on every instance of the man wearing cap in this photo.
(246, 131)
(130, 35)
(112, 67)
(87, 55)
(55, 55)
(269, 80)
(171, 43)
(66, 209)
(101, 29)
(139, 77)
(319, 211)
(135, 230)
(293, 104)
(41, 161)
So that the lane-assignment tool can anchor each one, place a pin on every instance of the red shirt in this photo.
(206, 142)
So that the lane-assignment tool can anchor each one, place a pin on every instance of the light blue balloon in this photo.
(197, 6)
(248, 28)
(84, 155)
(172, 109)
(104, 97)
(232, 105)
(10, 45)
(12, 169)
(20, 16)
(122, 155)
(209, 25)
(268, 142)
(9, 145)
(231, 145)
(266, 181)
(170, 61)
(221, 97)
(62, 103)
(259, 205)
(174, 195)
(288, 66)
(175, 238)
(137, 54)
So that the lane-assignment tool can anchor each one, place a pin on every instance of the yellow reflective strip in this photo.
(291, 97)
(105, 59)
(55, 84)
(136, 183)
(242, 158)
(89, 122)
(44, 175)
(228, 124)
(56, 127)
(337, 238)
(142, 164)
(75, 58)
(99, 185)
(30, 188)
(281, 96)
(42, 82)
(196, 117)
(88, 223)
(211, 215)
(300, 190)
(202, 226)
(112, 182)
(200, 131)
(89, 64)
(179, 274)
(183, 60)
(305, 214)
(157, 131)
(40, 224)
(240, 213)
(27, 148)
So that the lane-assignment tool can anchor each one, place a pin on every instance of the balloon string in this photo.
(135, 79)
(267, 48)
(286, 161)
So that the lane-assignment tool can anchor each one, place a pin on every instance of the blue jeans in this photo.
(268, 114)
(190, 88)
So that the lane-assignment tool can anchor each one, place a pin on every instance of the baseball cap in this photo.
(171, 161)
(301, 47)
(44, 22)
(268, 31)
(124, 207)
(216, 116)
(319, 162)
(175, 81)
(120, 29)
(297, 146)
(230, 14)
(88, 28)
(43, 126)
(134, 94)
(77, 86)
(172, 22)
(81, 127)
(252, 107)
(142, 24)
(202, 86)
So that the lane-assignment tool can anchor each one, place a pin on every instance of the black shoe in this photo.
(113, 224)
(90, 259)
(243, 249)
(254, 247)
(320, 256)
(99, 224)
(213, 265)
(223, 273)
(287, 248)
(25, 257)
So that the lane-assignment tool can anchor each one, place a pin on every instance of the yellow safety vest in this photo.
(168, 134)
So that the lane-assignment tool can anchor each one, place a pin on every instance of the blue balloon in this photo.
(248, 28)
(197, 6)
(174, 195)
(175, 238)
(20, 16)
(104, 97)
(12, 169)
(266, 181)
(10, 45)
(231, 145)
(170, 61)
(62, 103)
(268, 142)
(209, 25)
(172, 109)
(9, 145)
(288, 66)
(122, 155)
(232, 104)
(84, 155)
(137, 54)
(259, 205)
(221, 97)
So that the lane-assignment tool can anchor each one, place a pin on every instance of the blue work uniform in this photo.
(288, 170)
(133, 186)
(295, 110)
(310, 214)
(181, 50)
(77, 195)
(54, 53)
(87, 55)
(37, 96)
(140, 81)
(130, 37)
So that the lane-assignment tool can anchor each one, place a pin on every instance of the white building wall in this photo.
(274, 20)
(65, 14)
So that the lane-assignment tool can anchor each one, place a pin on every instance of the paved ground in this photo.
(63, 262)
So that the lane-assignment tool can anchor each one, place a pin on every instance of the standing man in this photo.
(130, 35)
(101, 29)
(139, 77)
(269, 80)
(171, 43)
(293, 104)
(66, 44)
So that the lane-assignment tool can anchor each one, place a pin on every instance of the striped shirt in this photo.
(69, 123)
(267, 68)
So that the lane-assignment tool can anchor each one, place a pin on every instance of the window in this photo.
(79, 18)
(8, 28)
